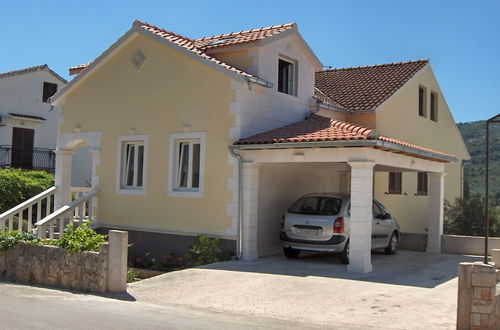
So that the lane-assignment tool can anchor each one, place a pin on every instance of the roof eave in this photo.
(352, 143)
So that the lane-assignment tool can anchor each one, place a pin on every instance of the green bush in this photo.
(10, 239)
(466, 217)
(206, 251)
(82, 238)
(16, 186)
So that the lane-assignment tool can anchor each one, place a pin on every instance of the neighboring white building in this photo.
(28, 123)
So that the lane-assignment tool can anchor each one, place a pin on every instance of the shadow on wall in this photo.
(409, 268)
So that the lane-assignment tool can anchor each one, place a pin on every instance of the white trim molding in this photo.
(119, 155)
(173, 151)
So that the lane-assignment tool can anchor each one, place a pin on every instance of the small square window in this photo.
(131, 172)
(49, 89)
(287, 77)
(422, 104)
(186, 164)
(422, 183)
(434, 107)
(395, 182)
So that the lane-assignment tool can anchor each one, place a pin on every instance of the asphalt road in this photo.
(27, 307)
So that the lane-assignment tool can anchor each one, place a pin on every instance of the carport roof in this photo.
(318, 131)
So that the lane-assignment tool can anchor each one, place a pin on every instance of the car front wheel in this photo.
(291, 253)
(392, 248)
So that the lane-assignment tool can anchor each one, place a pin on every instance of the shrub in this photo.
(131, 275)
(10, 239)
(16, 186)
(83, 238)
(466, 217)
(206, 251)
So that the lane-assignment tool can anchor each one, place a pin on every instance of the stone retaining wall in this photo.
(96, 272)
(458, 244)
(54, 267)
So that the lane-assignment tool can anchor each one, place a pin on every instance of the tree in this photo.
(466, 216)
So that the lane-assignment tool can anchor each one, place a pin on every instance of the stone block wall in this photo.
(55, 267)
(479, 295)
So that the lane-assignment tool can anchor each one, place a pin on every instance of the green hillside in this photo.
(474, 137)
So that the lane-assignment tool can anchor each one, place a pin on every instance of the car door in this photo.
(387, 224)
(379, 230)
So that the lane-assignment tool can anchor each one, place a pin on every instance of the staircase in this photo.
(37, 214)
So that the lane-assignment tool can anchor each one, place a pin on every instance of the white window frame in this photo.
(123, 140)
(173, 164)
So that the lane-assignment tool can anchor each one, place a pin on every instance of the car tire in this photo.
(392, 248)
(291, 253)
(344, 255)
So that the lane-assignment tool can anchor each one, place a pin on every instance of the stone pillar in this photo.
(361, 217)
(250, 205)
(464, 295)
(117, 261)
(477, 300)
(63, 178)
(435, 212)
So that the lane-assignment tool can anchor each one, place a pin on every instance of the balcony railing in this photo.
(32, 159)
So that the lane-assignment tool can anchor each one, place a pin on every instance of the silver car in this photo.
(320, 222)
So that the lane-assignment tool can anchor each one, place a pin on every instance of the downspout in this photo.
(239, 246)
(463, 163)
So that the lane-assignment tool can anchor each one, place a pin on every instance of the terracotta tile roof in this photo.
(77, 68)
(198, 46)
(23, 116)
(29, 70)
(321, 129)
(241, 37)
(365, 88)
(314, 129)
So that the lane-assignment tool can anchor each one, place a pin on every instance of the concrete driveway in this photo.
(410, 290)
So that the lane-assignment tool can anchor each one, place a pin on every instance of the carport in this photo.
(319, 154)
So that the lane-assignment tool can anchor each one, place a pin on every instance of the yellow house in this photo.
(219, 135)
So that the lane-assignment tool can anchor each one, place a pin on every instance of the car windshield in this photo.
(316, 205)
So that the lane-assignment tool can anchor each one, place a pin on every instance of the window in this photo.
(422, 97)
(395, 179)
(378, 213)
(434, 106)
(186, 164)
(49, 89)
(131, 164)
(286, 77)
(422, 183)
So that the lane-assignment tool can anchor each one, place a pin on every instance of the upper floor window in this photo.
(422, 183)
(395, 182)
(186, 164)
(132, 164)
(434, 107)
(287, 77)
(422, 97)
(49, 89)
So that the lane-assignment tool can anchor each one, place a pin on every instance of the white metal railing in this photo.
(43, 202)
(79, 210)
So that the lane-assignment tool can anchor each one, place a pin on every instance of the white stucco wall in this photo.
(23, 94)
(282, 184)
(258, 109)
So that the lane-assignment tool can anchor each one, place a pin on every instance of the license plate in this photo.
(307, 231)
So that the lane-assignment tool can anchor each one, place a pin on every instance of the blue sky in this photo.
(461, 38)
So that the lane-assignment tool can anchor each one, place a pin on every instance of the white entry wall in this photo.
(282, 184)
